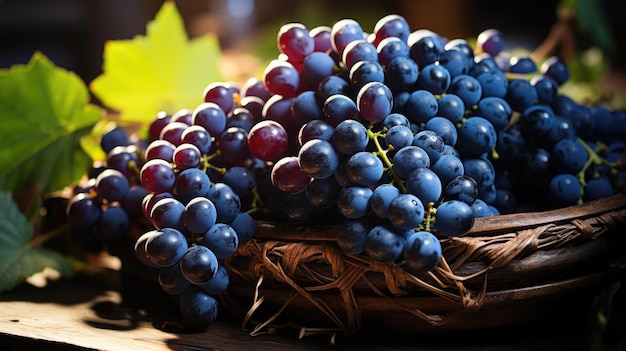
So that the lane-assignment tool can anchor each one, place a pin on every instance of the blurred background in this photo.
(72, 33)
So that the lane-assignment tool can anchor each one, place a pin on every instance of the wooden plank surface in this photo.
(80, 315)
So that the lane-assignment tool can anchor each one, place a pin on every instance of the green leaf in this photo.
(19, 260)
(44, 111)
(161, 71)
(592, 20)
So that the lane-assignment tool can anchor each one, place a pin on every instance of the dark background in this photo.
(72, 33)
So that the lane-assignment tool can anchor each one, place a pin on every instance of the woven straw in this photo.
(299, 273)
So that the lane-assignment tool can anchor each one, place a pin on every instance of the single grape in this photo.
(165, 247)
(406, 211)
(226, 201)
(199, 264)
(268, 140)
(157, 176)
(186, 156)
(422, 252)
(353, 201)
(424, 184)
(221, 239)
(287, 176)
(197, 306)
(454, 218)
(385, 243)
(168, 213)
(112, 185)
(200, 215)
(318, 158)
(364, 168)
(83, 210)
(219, 283)
(172, 280)
(191, 183)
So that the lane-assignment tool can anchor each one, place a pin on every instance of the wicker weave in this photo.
(302, 268)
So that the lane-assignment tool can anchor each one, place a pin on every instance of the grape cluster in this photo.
(399, 136)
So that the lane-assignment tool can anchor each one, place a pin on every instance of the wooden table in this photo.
(86, 314)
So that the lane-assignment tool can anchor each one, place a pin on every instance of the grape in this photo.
(83, 210)
(132, 202)
(317, 158)
(321, 38)
(165, 247)
(568, 156)
(421, 106)
(434, 78)
(490, 41)
(597, 188)
(350, 137)
(114, 223)
(359, 50)
(112, 185)
(408, 159)
(198, 264)
(160, 149)
(364, 168)
(287, 176)
(467, 88)
(182, 115)
(168, 213)
(124, 159)
(364, 72)
(323, 191)
(381, 199)
(385, 243)
(112, 138)
(424, 184)
(353, 201)
(392, 25)
(221, 239)
(547, 89)
(476, 136)
(422, 251)
(172, 132)
(424, 47)
(157, 176)
(294, 41)
(496, 110)
(522, 65)
(402, 74)
(172, 280)
(267, 140)
(197, 136)
(200, 215)
(462, 188)
(555, 68)
(448, 167)
(338, 108)
(565, 189)
(240, 179)
(186, 156)
(219, 283)
(406, 211)
(244, 225)
(191, 183)
(455, 62)
(316, 129)
(315, 67)
(391, 48)
(243, 117)
(398, 137)
(352, 235)
(450, 106)
(521, 94)
(454, 218)
(431, 143)
(226, 201)
(198, 307)
(444, 129)
(306, 107)
(281, 78)
(221, 94)
(343, 32)
(332, 85)
(233, 143)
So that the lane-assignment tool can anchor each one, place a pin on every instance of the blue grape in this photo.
(244, 225)
(398, 137)
(233, 143)
(359, 50)
(114, 223)
(219, 283)
(131, 203)
(343, 32)
(172, 280)
(481, 170)
(350, 137)
(113, 138)
(226, 201)
(406, 211)
(191, 183)
(454, 218)
(430, 142)
(597, 188)
(568, 156)
(422, 252)
(385, 243)
(467, 88)
(462, 188)
(408, 159)
(199, 264)
(401, 74)
(200, 215)
(477, 136)
(521, 94)
(455, 62)
(352, 234)
(281, 78)
(547, 89)
(198, 136)
(315, 129)
(555, 68)
(444, 128)
(565, 190)
(243, 117)
(84, 210)
(353, 201)
(240, 179)
(364, 168)
(394, 119)
(493, 83)
(186, 156)
(197, 306)
(306, 107)
(481, 209)
(421, 106)
(505, 201)
(165, 247)
(424, 184)
(391, 26)
(522, 65)
(496, 110)
(333, 85)
(451, 106)
(364, 72)
(221, 239)
(448, 167)
(490, 41)
(168, 213)
(338, 108)
(318, 158)
(434, 78)
(374, 101)
(112, 185)
(391, 48)
(315, 67)
(211, 117)
(381, 198)
(425, 47)
(323, 191)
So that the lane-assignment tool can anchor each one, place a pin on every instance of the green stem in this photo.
(382, 154)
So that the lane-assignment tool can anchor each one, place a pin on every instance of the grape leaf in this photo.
(44, 110)
(161, 71)
(18, 259)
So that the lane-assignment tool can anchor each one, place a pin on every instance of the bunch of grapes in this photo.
(400, 137)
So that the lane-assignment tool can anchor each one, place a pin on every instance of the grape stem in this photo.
(594, 159)
(382, 154)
